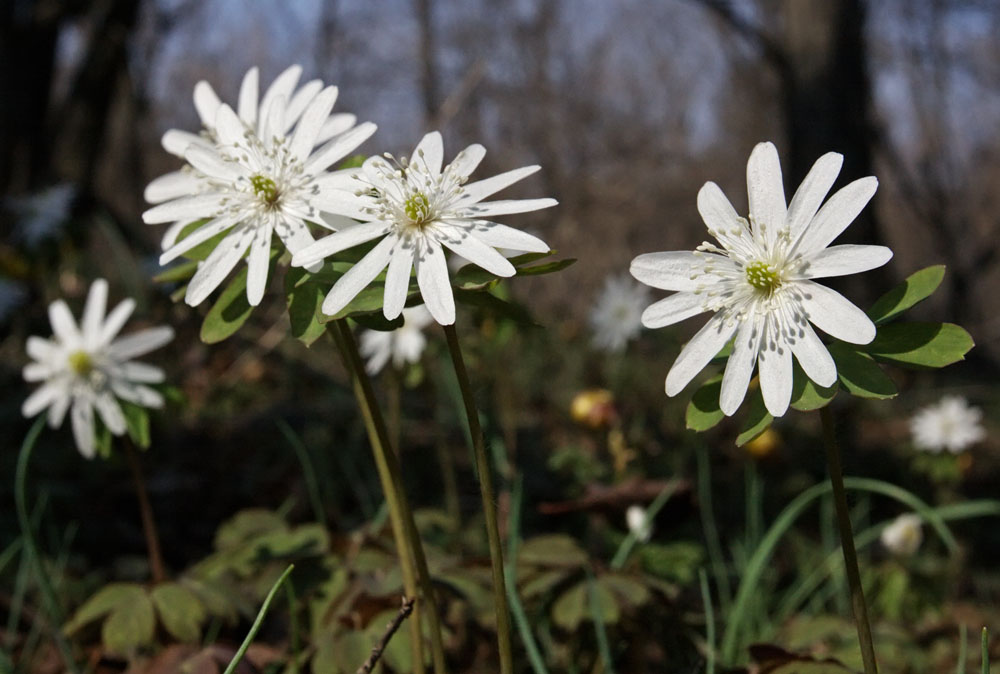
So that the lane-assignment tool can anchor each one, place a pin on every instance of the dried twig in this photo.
(404, 612)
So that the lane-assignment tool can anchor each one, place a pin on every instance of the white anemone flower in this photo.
(759, 281)
(84, 367)
(401, 346)
(616, 316)
(635, 517)
(950, 424)
(417, 208)
(252, 175)
(903, 535)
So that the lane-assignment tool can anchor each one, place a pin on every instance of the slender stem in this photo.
(404, 612)
(156, 566)
(258, 621)
(31, 547)
(389, 472)
(489, 502)
(847, 544)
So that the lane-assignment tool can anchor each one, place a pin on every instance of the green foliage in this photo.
(807, 395)
(231, 310)
(180, 610)
(916, 288)
(859, 374)
(757, 419)
(703, 411)
(137, 423)
(677, 562)
(921, 345)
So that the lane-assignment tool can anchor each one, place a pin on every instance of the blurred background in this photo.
(629, 106)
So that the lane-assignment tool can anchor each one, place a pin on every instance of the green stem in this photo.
(258, 621)
(400, 514)
(489, 503)
(847, 544)
(31, 547)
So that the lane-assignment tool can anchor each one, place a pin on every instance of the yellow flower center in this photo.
(763, 277)
(417, 208)
(265, 189)
(81, 363)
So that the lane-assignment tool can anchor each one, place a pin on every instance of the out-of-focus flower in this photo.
(41, 216)
(950, 424)
(594, 408)
(903, 536)
(764, 444)
(616, 316)
(417, 209)
(759, 283)
(252, 175)
(401, 346)
(635, 517)
(83, 367)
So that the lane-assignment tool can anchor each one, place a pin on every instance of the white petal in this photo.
(273, 125)
(249, 92)
(186, 208)
(137, 393)
(358, 277)
(210, 163)
(312, 119)
(673, 309)
(57, 412)
(397, 277)
(813, 190)
(140, 343)
(33, 372)
(218, 265)
(430, 152)
(111, 412)
(481, 189)
(93, 313)
(206, 102)
(501, 236)
(775, 365)
(197, 237)
(229, 128)
(134, 371)
(676, 270)
(281, 87)
(338, 241)
(116, 319)
(435, 285)
(475, 251)
(766, 191)
(715, 209)
(176, 142)
(171, 186)
(335, 125)
(257, 265)
(507, 206)
(172, 232)
(82, 417)
(845, 259)
(696, 354)
(338, 148)
(813, 356)
(42, 397)
(835, 315)
(836, 214)
(63, 324)
(299, 100)
(740, 366)
(467, 160)
(294, 234)
(40, 349)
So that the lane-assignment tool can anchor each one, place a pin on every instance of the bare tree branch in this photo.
(404, 612)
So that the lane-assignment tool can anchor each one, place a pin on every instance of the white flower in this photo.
(252, 175)
(903, 536)
(402, 345)
(87, 367)
(759, 281)
(635, 517)
(416, 207)
(42, 214)
(950, 424)
(615, 318)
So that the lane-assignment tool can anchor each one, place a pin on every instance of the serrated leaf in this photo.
(219, 600)
(304, 301)
(103, 601)
(552, 550)
(859, 374)
(916, 288)
(922, 345)
(758, 419)
(495, 306)
(703, 411)
(569, 609)
(807, 395)
(231, 310)
(630, 591)
(137, 423)
(177, 273)
(130, 626)
(180, 611)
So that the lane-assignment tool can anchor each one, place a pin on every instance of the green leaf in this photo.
(630, 591)
(859, 374)
(473, 277)
(137, 423)
(203, 249)
(180, 610)
(304, 301)
(495, 306)
(758, 418)
(547, 268)
(246, 525)
(807, 395)
(921, 345)
(231, 310)
(571, 606)
(916, 288)
(307, 539)
(130, 626)
(367, 301)
(103, 601)
(678, 561)
(552, 550)
(703, 411)
(177, 273)
(378, 321)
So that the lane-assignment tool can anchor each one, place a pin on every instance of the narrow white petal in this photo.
(218, 265)
(249, 92)
(472, 249)
(676, 270)
(176, 142)
(673, 309)
(93, 313)
(210, 163)
(813, 190)
(111, 412)
(171, 186)
(206, 102)
(257, 265)
(435, 285)
(299, 100)
(766, 191)
(172, 232)
(507, 206)
(294, 234)
(143, 373)
(696, 354)
(229, 128)
(501, 236)
(42, 397)
(740, 366)
(775, 365)
(835, 315)
(273, 125)
(813, 356)
(57, 411)
(137, 393)
(33, 372)
(186, 208)
(116, 319)
(715, 209)
(477, 191)
(338, 241)
(845, 259)
(309, 125)
(197, 237)
(467, 160)
(430, 152)
(397, 277)
(336, 124)
(281, 87)
(836, 215)
(140, 343)
(82, 417)
(358, 277)
(40, 349)
(340, 202)
(338, 148)
(63, 324)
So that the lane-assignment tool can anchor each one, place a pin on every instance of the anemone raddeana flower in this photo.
(615, 316)
(417, 209)
(84, 367)
(403, 345)
(758, 280)
(255, 172)
(950, 424)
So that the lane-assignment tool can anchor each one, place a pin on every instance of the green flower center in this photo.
(81, 363)
(763, 276)
(417, 208)
(265, 189)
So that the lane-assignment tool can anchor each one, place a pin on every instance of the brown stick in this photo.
(156, 566)
(390, 629)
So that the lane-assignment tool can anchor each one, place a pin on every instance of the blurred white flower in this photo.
(903, 536)
(417, 209)
(402, 345)
(950, 424)
(252, 175)
(635, 517)
(759, 281)
(616, 316)
(86, 367)
(41, 215)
